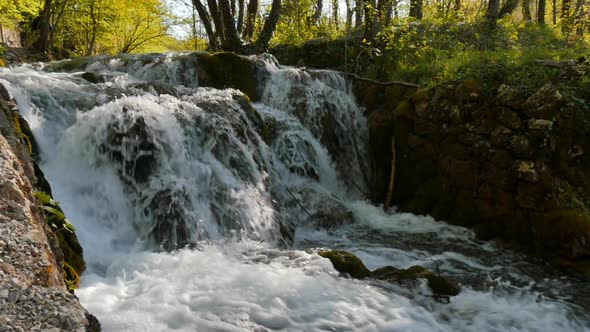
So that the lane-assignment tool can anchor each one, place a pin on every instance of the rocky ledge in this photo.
(39, 266)
(512, 164)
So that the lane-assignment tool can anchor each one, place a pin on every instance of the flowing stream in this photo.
(147, 160)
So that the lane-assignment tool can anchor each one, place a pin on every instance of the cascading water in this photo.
(242, 189)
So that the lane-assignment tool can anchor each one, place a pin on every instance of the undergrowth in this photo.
(431, 52)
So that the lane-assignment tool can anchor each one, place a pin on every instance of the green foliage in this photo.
(296, 25)
(13, 11)
(431, 52)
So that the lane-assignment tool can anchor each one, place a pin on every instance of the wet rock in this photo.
(545, 103)
(540, 125)
(510, 96)
(167, 210)
(345, 262)
(156, 87)
(327, 210)
(509, 118)
(228, 70)
(526, 170)
(34, 243)
(439, 285)
(94, 77)
(133, 137)
(521, 146)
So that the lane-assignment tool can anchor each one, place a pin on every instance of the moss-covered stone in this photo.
(73, 262)
(228, 70)
(345, 262)
(439, 285)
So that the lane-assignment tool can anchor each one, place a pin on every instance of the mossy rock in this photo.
(439, 285)
(345, 262)
(73, 263)
(75, 64)
(228, 70)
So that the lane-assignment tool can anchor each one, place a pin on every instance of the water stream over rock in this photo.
(200, 210)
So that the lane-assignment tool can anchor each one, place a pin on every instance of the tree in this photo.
(137, 24)
(541, 11)
(492, 12)
(224, 32)
(13, 11)
(51, 18)
(416, 9)
(508, 8)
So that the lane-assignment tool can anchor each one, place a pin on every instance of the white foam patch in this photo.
(216, 290)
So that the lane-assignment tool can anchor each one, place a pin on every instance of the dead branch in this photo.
(391, 175)
(368, 80)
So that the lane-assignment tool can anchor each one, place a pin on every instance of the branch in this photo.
(368, 80)
(391, 175)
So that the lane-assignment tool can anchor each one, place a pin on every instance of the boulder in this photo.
(228, 70)
(345, 262)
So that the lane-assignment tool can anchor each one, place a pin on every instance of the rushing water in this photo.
(137, 163)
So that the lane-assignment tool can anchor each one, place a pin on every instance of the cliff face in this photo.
(33, 292)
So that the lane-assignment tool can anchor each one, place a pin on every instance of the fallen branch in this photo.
(391, 175)
(300, 205)
(368, 80)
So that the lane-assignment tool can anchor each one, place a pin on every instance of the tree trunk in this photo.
(554, 12)
(251, 19)
(579, 12)
(349, 14)
(91, 45)
(492, 12)
(240, 26)
(566, 6)
(269, 26)
(370, 20)
(508, 8)
(317, 14)
(416, 9)
(45, 26)
(358, 11)
(206, 20)
(335, 19)
(526, 10)
(232, 40)
(541, 11)
(217, 21)
(457, 6)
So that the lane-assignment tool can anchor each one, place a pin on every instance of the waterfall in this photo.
(201, 210)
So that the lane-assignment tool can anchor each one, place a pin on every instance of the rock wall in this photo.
(512, 164)
(33, 292)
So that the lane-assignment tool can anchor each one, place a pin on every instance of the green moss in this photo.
(75, 64)
(228, 70)
(73, 263)
(345, 262)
